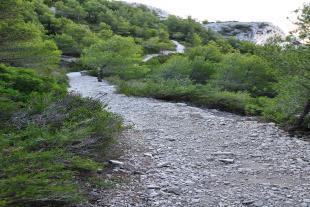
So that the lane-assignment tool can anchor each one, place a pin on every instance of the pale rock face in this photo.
(160, 13)
(256, 32)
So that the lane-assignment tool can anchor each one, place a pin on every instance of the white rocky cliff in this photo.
(257, 32)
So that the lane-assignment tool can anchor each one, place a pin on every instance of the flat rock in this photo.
(227, 161)
(116, 162)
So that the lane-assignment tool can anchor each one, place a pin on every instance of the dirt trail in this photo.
(190, 157)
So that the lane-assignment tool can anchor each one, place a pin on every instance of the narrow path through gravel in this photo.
(190, 157)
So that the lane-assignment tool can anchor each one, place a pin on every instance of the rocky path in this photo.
(190, 157)
(179, 48)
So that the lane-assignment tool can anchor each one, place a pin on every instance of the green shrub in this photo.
(211, 52)
(235, 102)
(134, 72)
(202, 70)
(49, 145)
(17, 83)
(289, 104)
(177, 67)
(246, 73)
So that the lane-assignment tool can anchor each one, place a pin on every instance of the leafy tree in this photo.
(177, 67)
(303, 22)
(70, 9)
(73, 38)
(188, 29)
(22, 41)
(209, 52)
(196, 40)
(113, 56)
(202, 70)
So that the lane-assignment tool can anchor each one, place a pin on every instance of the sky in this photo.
(275, 11)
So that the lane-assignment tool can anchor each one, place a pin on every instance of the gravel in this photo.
(200, 157)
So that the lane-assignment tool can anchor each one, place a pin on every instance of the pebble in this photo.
(148, 154)
(227, 161)
(153, 187)
(116, 162)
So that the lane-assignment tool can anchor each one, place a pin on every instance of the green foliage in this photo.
(209, 52)
(303, 22)
(70, 9)
(246, 73)
(293, 95)
(73, 38)
(155, 45)
(177, 67)
(40, 158)
(113, 56)
(202, 70)
(22, 41)
(189, 30)
(235, 102)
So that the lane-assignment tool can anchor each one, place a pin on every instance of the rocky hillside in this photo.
(257, 32)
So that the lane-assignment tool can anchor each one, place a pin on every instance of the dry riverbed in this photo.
(178, 155)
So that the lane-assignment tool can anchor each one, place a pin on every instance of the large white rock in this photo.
(256, 32)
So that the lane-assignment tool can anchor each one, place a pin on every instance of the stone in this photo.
(153, 187)
(248, 202)
(148, 154)
(181, 104)
(171, 139)
(175, 191)
(227, 161)
(116, 163)
(163, 164)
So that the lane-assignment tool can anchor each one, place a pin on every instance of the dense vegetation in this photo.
(51, 143)
(44, 154)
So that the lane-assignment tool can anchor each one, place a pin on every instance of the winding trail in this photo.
(179, 48)
(185, 156)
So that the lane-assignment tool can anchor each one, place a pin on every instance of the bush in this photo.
(235, 102)
(16, 83)
(177, 67)
(174, 90)
(48, 140)
(246, 73)
(209, 52)
(289, 104)
(202, 70)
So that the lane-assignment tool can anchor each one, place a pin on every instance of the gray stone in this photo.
(248, 202)
(175, 191)
(148, 154)
(164, 164)
(116, 162)
(153, 187)
(227, 161)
